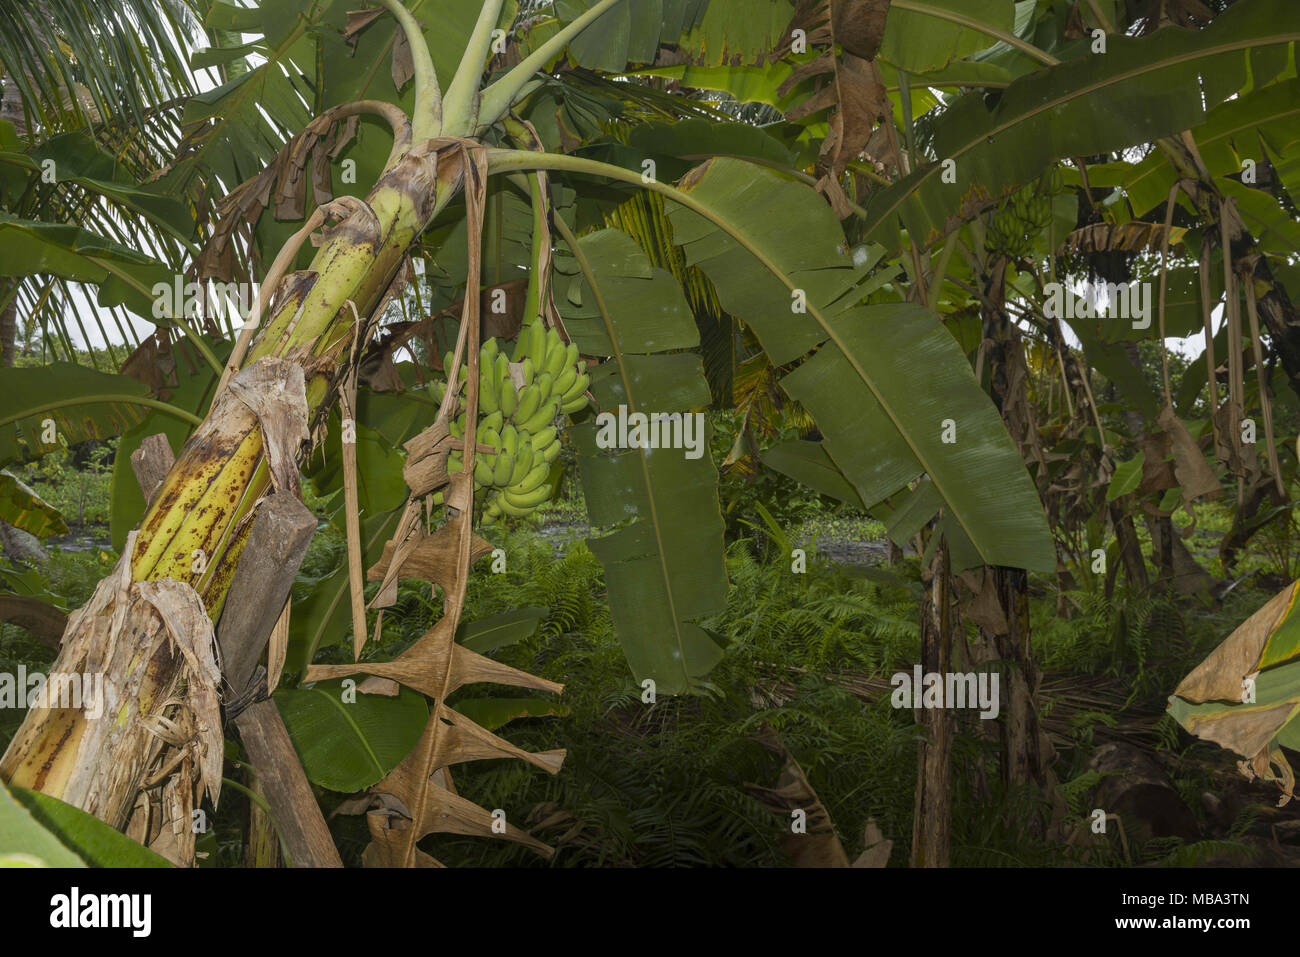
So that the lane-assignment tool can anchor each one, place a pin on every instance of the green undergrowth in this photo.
(662, 784)
(810, 655)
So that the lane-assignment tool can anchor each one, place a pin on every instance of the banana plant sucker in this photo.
(222, 472)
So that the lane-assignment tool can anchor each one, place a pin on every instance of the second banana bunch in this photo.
(519, 422)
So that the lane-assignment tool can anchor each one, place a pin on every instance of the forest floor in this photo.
(1175, 800)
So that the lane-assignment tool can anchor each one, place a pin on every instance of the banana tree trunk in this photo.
(932, 808)
(1026, 751)
(8, 330)
(196, 525)
(1275, 304)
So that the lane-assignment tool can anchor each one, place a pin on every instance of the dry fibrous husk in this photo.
(124, 635)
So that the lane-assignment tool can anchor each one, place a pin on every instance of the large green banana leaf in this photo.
(97, 843)
(921, 40)
(882, 427)
(1138, 90)
(1232, 131)
(347, 744)
(709, 32)
(23, 508)
(122, 276)
(82, 404)
(664, 562)
(76, 158)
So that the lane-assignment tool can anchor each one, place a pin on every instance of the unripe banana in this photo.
(482, 470)
(487, 392)
(544, 438)
(565, 379)
(457, 426)
(487, 365)
(507, 397)
(546, 384)
(577, 390)
(555, 350)
(514, 510)
(536, 475)
(529, 401)
(528, 370)
(527, 499)
(510, 439)
(537, 343)
(490, 436)
(504, 468)
(490, 349)
(551, 452)
(542, 417)
(523, 464)
(492, 421)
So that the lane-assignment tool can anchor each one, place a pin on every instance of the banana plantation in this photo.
(648, 433)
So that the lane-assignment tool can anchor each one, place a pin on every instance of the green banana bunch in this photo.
(1019, 219)
(518, 421)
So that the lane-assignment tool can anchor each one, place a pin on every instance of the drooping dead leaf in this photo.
(851, 80)
(426, 459)
(1261, 766)
(1193, 472)
(1219, 676)
(430, 557)
(423, 806)
(435, 665)
(857, 25)
(403, 66)
(351, 510)
(284, 178)
(1131, 237)
(1250, 731)
(380, 686)
(1157, 470)
(818, 845)
(1244, 730)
